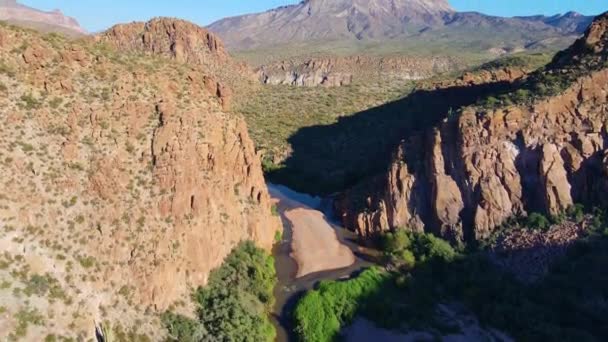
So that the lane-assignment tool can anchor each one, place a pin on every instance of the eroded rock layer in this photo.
(339, 71)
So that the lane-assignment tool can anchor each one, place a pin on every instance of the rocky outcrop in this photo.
(54, 21)
(186, 43)
(339, 71)
(467, 176)
(173, 38)
(125, 183)
(469, 78)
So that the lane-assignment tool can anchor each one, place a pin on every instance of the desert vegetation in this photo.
(276, 112)
(234, 305)
(423, 272)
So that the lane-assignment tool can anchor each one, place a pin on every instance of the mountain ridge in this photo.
(53, 21)
(406, 22)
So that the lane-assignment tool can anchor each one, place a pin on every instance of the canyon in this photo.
(137, 166)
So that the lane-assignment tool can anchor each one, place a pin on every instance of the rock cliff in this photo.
(465, 176)
(124, 181)
(339, 71)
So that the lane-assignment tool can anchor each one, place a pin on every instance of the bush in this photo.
(404, 248)
(321, 313)
(235, 303)
(576, 212)
(538, 221)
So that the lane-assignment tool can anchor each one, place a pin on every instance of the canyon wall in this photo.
(123, 180)
(339, 71)
(467, 175)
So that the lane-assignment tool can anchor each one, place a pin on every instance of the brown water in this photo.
(289, 288)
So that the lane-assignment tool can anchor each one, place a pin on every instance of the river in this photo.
(300, 214)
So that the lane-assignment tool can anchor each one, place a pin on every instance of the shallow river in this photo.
(289, 288)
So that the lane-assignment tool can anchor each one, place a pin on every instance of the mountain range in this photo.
(406, 25)
(55, 21)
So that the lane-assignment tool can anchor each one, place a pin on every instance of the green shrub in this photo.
(576, 212)
(235, 303)
(404, 248)
(321, 313)
(30, 102)
(538, 221)
(7, 70)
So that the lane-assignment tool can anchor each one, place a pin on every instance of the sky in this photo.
(97, 15)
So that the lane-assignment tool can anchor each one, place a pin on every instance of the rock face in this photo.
(393, 21)
(467, 176)
(339, 71)
(123, 180)
(54, 21)
(173, 38)
(186, 43)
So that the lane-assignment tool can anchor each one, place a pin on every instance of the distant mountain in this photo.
(405, 23)
(15, 13)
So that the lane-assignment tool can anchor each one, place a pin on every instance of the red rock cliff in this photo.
(465, 177)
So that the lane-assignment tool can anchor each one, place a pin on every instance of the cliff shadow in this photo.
(332, 158)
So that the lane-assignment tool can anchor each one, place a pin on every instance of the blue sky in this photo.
(96, 15)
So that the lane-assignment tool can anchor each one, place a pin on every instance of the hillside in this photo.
(15, 13)
(538, 145)
(413, 27)
(124, 184)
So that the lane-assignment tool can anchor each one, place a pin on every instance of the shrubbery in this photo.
(234, 305)
(568, 304)
(538, 221)
(321, 313)
(405, 249)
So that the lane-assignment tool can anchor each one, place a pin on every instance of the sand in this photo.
(315, 245)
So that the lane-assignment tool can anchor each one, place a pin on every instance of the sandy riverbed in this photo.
(315, 245)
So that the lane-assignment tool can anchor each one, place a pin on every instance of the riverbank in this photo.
(292, 286)
(315, 246)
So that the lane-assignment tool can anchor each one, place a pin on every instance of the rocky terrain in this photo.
(16, 13)
(339, 71)
(124, 180)
(529, 254)
(539, 148)
(406, 26)
(186, 43)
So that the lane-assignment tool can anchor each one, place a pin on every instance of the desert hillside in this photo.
(124, 183)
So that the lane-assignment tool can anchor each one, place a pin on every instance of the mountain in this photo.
(316, 25)
(536, 144)
(125, 182)
(13, 12)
